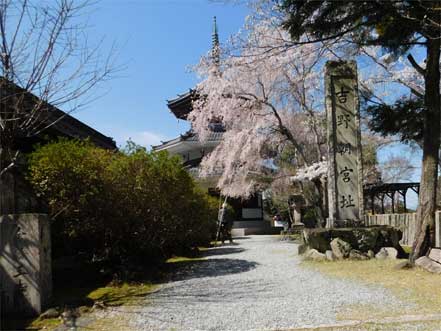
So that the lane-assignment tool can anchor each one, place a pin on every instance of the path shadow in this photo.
(184, 270)
(222, 251)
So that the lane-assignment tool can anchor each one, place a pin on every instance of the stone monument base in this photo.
(363, 239)
(343, 223)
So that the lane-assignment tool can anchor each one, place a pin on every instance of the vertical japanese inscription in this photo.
(344, 177)
(346, 142)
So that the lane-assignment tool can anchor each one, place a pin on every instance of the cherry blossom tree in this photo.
(268, 98)
(268, 93)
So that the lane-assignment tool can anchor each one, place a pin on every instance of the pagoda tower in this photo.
(249, 215)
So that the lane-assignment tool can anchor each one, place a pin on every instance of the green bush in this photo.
(121, 207)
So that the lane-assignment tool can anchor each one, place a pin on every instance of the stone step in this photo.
(240, 232)
(435, 254)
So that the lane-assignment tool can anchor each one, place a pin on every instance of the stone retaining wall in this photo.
(406, 223)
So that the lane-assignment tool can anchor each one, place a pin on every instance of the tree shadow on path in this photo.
(184, 270)
(222, 251)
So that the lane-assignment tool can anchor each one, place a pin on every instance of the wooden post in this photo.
(404, 201)
(392, 198)
(382, 204)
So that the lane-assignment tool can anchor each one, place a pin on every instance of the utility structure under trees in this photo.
(43, 53)
(397, 26)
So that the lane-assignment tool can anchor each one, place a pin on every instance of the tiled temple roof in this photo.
(58, 122)
(182, 105)
(189, 137)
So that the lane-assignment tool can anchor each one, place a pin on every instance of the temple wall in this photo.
(25, 263)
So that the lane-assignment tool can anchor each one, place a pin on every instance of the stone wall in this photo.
(25, 263)
(406, 223)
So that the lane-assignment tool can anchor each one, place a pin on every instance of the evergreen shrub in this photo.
(131, 206)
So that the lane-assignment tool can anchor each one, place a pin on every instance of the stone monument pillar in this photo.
(345, 175)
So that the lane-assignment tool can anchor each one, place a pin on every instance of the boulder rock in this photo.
(360, 238)
(387, 253)
(50, 313)
(366, 239)
(315, 255)
(329, 255)
(428, 264)
(392, 253)
(340, 248)
(381, 255)
(357, 255)
(318, 239)
(302, 249)
(370, 254)
(435, 254)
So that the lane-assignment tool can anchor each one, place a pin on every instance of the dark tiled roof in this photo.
(189, 136)
(182, 105)
(214, 136)
(59, 123)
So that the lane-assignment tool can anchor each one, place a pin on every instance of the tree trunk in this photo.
(318, 204)
(7, 191)
(425, 218)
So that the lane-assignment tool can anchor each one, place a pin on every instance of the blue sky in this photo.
(157, 41)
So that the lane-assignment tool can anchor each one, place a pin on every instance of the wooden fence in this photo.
(406, 223)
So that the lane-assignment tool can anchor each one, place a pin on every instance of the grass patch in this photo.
(415, 285)
(124, 294)
(177, 259)
(79, 286)
(31, 324)
(108, 323)
(407, 249)
(109, 295)
(279, 251)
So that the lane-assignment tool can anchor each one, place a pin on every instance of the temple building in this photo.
(249, 214)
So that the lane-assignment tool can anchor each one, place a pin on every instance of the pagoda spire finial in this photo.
(215, 43)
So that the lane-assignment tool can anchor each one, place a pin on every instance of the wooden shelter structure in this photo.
(382, 191)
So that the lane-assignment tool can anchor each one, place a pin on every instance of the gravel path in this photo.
(255, 284)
